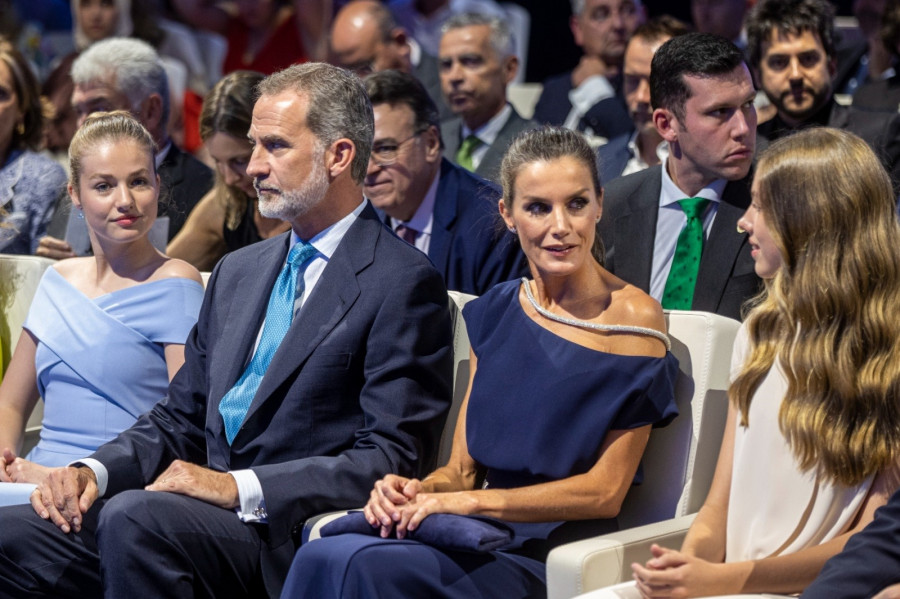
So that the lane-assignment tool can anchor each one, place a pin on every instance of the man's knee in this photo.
(128, 515)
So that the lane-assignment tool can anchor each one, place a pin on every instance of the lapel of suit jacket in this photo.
(173, 167)
(329, 301)
(722, 246)
(450, 133)
(636, 228)
(240, 326)
(489, 168)
(445, 205)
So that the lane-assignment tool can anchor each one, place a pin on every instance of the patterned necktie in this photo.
(406, 234)
(279, 314)
(679, 292)
(466, 149)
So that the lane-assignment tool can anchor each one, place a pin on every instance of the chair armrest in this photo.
(313, 526)
(579, 567)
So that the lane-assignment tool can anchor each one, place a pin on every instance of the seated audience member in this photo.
(128, 305)
(864, 58)
(792, 54)
(569, 372)
(425, 19)
(589, 98)
(275, 416)
(30, 183)
(126, 74)
(724, 18)
(263, 35)
(669, 229)
(643, 146)
(477, 61)
(442, 209)
(227, 218)
(366, 39)
(883, 93)
(813, 433)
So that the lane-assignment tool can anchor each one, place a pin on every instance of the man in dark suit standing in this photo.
(442, 209)
(126, 74)
(477, 61)
(366, 39)
(671, 229)
(273, 417)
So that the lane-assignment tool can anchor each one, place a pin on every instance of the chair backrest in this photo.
(19, 278)
(680, 459)
(524, 97)
(461, 370)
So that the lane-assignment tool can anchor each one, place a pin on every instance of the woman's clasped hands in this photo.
(671, 573)
(14, 469)
(399, 504)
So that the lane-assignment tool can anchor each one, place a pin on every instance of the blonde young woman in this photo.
(813, 434)
(104, 333)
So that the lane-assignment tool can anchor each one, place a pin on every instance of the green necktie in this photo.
(679, 292)
(466, 149)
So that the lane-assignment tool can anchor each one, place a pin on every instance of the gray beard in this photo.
(291, 205)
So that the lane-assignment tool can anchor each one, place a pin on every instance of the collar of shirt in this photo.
(423, 220)
(163, 152)
(415, 51)
(325, 242)
(488, 132)
(670, 193)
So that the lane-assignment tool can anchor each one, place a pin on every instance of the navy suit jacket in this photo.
(451, 133)
(607, 118)
(613, 157)
(869, 562)
(469, 247)
(358, 388)
(726, 278)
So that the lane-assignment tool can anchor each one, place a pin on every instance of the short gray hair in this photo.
(337, 106)
(501, 36)
(133, 66)
(578, 6)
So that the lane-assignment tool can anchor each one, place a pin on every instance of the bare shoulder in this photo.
(630, 306)
(74, 269)
(173, 268)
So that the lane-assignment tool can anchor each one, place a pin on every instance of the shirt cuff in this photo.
(99, 471)
(592, 90)
(250, 493)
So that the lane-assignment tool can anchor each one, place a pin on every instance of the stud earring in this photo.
(513, 230)
(740, 230)
(20, 128)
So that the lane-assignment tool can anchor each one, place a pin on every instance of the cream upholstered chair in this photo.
(461, 370)
(678, 464)
(19, 278)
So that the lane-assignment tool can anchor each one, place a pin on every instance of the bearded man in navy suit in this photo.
(191, 502)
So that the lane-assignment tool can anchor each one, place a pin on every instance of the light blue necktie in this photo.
(279, 314)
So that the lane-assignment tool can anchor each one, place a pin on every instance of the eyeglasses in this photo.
(384, 154)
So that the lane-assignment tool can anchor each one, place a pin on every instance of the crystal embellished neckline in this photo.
(593, 325)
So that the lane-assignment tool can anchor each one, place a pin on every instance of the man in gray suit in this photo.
(702, 96)
(476, 62)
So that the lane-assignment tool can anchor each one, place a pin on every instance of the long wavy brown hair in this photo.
(830, 314)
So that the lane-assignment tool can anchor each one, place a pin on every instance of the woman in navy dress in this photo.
(570, 371)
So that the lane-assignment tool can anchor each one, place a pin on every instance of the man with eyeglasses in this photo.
(440, 208)
(589, 98)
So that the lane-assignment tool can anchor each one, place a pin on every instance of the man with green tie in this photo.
(672, 229)
(476, 62)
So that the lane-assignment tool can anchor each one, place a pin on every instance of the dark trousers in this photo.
(136, 544)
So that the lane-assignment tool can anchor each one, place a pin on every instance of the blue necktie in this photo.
(279, 314)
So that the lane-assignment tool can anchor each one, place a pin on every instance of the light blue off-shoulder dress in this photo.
(100, 362)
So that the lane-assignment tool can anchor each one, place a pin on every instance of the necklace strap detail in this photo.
(616, 328)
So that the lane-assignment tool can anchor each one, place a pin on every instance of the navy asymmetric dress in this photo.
(539, 410)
